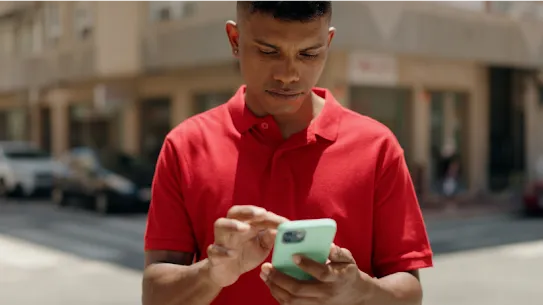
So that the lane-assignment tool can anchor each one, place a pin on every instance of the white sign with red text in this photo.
(366, 68)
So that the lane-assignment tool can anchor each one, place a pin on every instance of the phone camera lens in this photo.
(291, 237)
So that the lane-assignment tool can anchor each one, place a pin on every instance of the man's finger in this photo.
(267, 238)
(296, 288)
(340, 255)
(267, 221)
(245, 212)
(285, 297)
(216, 252)
(321, 272)
(226, 229)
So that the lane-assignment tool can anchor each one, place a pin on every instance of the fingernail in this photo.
(297, 259)
(263, 276)
(265, 271)
(243, 226)
(259, 212)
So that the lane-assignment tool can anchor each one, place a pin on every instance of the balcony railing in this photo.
(76, 62)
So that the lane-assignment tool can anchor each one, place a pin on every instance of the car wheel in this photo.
(58, 198)
(101, 204)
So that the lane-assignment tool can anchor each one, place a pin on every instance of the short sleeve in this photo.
(400, 239)
(168, 223)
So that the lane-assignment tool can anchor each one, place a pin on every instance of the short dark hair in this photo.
(288, 10)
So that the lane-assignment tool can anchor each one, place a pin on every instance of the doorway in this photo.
(155, 126)
(449, 132)
(507, 136)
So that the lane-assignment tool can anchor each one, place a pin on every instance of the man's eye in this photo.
(268, 52)
(309, 55)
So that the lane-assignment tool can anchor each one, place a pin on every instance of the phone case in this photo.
(318, 235)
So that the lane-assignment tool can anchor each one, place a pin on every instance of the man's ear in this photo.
(233, 36)
(331, 33)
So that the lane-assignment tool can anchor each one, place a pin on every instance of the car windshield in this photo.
(27, 154)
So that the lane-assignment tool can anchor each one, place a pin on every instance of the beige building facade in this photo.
(119, 75)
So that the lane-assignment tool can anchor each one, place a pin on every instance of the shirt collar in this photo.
(326, 125)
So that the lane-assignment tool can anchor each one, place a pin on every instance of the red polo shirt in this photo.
(344, 166)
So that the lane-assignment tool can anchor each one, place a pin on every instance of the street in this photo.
(71, 256)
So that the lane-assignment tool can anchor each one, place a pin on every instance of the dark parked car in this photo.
(533, 192)
(103, 182)
(533, 198)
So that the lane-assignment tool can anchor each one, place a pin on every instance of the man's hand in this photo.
(338, 282)
(243, 240)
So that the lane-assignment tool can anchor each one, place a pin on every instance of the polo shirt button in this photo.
(264, 125)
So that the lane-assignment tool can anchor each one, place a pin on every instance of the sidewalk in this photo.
(31, 274)
(436, 209)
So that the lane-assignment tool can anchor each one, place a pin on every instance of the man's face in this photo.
(280, 61)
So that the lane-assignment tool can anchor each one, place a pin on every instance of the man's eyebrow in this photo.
(263, 43)
(313, 47)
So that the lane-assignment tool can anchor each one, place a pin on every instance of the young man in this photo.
(281, 150)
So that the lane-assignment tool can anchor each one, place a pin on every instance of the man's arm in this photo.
(400, 242)
(170, 278)
(402, 288)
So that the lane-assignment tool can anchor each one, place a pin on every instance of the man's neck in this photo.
(292, 123)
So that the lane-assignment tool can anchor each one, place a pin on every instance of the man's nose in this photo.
(287, 72)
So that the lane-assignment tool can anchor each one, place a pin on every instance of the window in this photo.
(83, 19)
(160, 10)
(25, 39)
(37, 37)
(169, 10)
(53, 25)
(7, 39)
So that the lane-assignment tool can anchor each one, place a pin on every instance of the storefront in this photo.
(436, 108)
(375, 91)
(92, 128)
(450, 121)
(14, 124)
(155, 124)
(448, 139)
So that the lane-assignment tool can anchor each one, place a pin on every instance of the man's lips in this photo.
(284, 94)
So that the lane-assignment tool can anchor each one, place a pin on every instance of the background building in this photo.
(456, 76)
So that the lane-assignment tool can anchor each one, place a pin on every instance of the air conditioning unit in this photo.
(164, 14)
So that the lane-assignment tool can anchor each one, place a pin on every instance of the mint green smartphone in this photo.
(311, 238)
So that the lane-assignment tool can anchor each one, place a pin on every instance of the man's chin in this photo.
(282, 110)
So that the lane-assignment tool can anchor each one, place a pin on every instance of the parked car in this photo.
(105, 183)
(25, 169)
(533, 198)
(533, 194)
